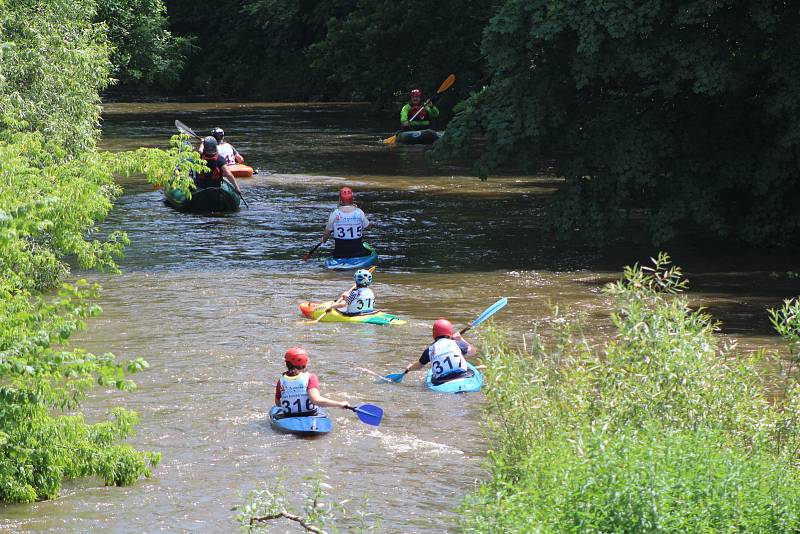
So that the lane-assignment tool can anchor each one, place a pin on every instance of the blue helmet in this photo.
(363, 277)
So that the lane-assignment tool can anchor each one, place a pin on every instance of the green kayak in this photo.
(208, 200)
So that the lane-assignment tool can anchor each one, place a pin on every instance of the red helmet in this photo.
(296, 356)
(416, 92)
(442, 327)
(345, 195)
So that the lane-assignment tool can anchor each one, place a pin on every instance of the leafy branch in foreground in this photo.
(55, 188)
(319, 511)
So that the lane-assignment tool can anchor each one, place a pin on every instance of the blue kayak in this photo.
(306, 425)
(459, 384)
(360, 262)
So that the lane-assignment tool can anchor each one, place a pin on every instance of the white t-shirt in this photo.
(347, 224)
(225, 150)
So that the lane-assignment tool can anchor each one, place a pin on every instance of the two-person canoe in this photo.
(360, 262)
(305, 425)
(470, 381)
(312, 310)
(208, 200)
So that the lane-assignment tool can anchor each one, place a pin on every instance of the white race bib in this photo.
(348, 225)
(445, 355)
(294, 394)
(363, 301)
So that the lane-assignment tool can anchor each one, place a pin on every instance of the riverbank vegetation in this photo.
(54, 189)
(664, 427)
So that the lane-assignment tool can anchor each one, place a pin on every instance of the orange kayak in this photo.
(241, 171)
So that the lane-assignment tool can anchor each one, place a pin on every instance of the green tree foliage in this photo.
(662, 428)
(52, 66)
(315, 49)
(145, 52)
(686, 108)
(381, 49)
(54, 188)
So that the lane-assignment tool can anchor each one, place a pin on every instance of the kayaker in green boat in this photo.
(218, 168)
(297, 390)
(361, 299)
(347, 224)
(421, 120)
(446, 354)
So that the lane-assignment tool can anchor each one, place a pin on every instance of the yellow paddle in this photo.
(446, 84)
(326, 312)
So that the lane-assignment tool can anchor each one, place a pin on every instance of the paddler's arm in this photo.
(226, 172)
(328, 227)
(404, 115)
(471, 350)
(416, 366)
(432, 110)
(238, 157)
(340, 303)
(319, 400)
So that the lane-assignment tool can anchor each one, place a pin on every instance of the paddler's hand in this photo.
(458, 337)
(345, 405)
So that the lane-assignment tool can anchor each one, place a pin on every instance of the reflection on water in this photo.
(211, 303)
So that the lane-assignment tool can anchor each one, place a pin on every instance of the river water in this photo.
(211, 303)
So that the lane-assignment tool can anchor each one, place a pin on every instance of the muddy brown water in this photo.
(211, 303)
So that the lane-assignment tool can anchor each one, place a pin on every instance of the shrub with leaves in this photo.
(661, 428)
(54, 189)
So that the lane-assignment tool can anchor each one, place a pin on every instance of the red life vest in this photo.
(215, 174)
(423, 115)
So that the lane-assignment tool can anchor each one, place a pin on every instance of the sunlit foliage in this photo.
(662, 428)
(54, 189)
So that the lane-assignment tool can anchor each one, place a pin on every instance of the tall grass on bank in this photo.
(661, 428)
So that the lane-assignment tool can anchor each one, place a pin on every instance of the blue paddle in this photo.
(369, 414)
(488, 312)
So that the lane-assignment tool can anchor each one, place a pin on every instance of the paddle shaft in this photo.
(312, 251)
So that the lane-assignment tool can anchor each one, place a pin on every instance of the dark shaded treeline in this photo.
(328, 49)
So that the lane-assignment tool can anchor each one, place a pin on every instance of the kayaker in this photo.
(446, 354)
(347, 224)
(224, 148)
(421, 121)
(217, 167)
(360, 300)
(297, 390)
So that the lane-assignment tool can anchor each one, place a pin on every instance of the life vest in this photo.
(361, 300)
(294, 394)
(226, 152)
(446, 357)
(348, 225)
(423, 115)
(215, 164)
